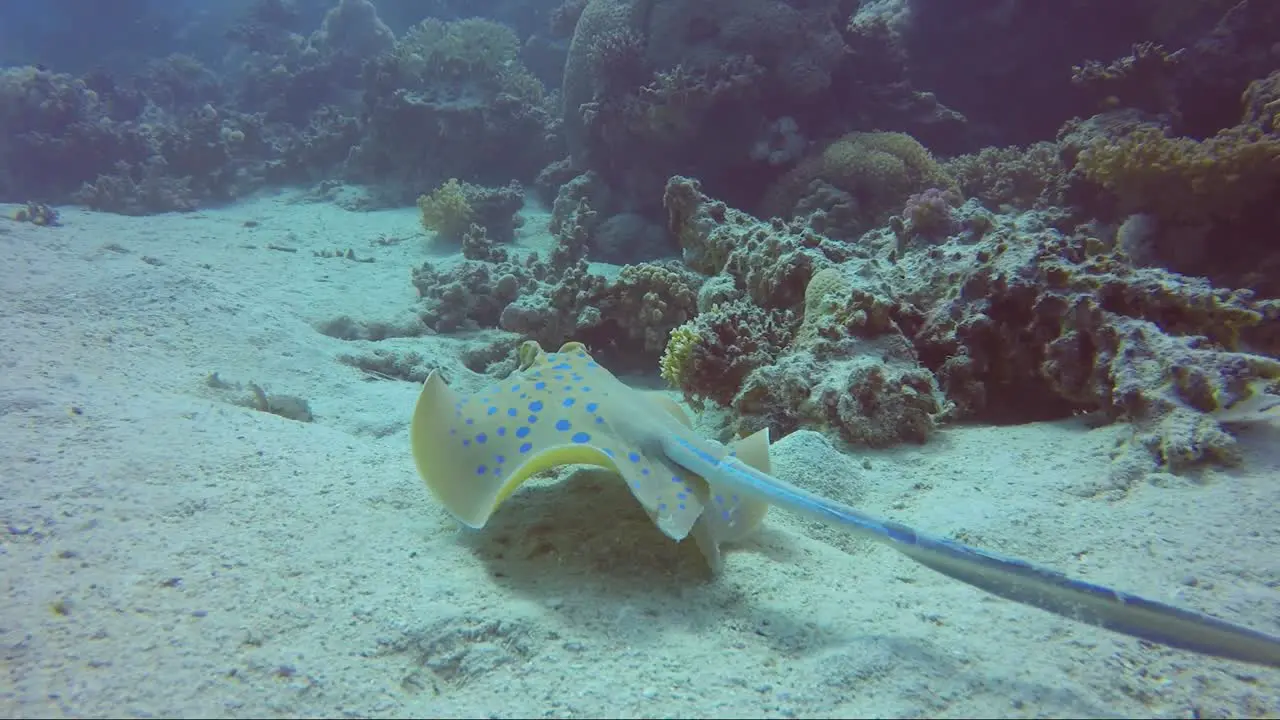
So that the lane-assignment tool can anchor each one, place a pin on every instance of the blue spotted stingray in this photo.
(564, 408)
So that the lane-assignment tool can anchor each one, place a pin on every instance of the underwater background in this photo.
(1005, 272)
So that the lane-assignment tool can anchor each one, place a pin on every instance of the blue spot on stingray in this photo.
(515, 388)
(502, 431)
(568, 402)
(482, 438)
(500, 459)
(591, 407)
(533, 419)
(497, 471)
(511, 412)
(559, 377)
(471, 421)
(522, 432)
(644, 471)
(581, 438)
(481, 470)
(562, 366)
(581, 354)
(599, 420)
(535, 406)
(724, 515)
(586, 388)
(676, 479)
(608, 452)
(662, 506)
(466, 443)
(562, 425)
(681, 506)
(539, 385)
(453, 431)
(492, 410)
(526, 447)
(633, 456)
(592, 365)
(719, 499)
(682, 496)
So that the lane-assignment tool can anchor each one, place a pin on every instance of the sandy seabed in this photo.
(169, 551)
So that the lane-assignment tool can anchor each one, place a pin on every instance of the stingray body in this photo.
(564, 408)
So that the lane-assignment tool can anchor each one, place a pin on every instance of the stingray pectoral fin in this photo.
(471, 461)
(1008, 578)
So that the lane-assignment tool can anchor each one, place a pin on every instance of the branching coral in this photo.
(474, 51)
(474, 47)
(1262, 103)
(1143, 79)
(1016, 176)
(1183, 179)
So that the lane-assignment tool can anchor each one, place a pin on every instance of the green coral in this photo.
(446, 210)
(1185, 179)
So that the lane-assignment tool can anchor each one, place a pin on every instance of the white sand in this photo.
(169, 552)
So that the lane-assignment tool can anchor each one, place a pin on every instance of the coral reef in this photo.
(66, 135)
(1006, 325)
(1066, 324)
(1209, 200)
(453, 92)
(627, 317)
(833, 272)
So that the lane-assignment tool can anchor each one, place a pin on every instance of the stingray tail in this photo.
(1007, 577)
